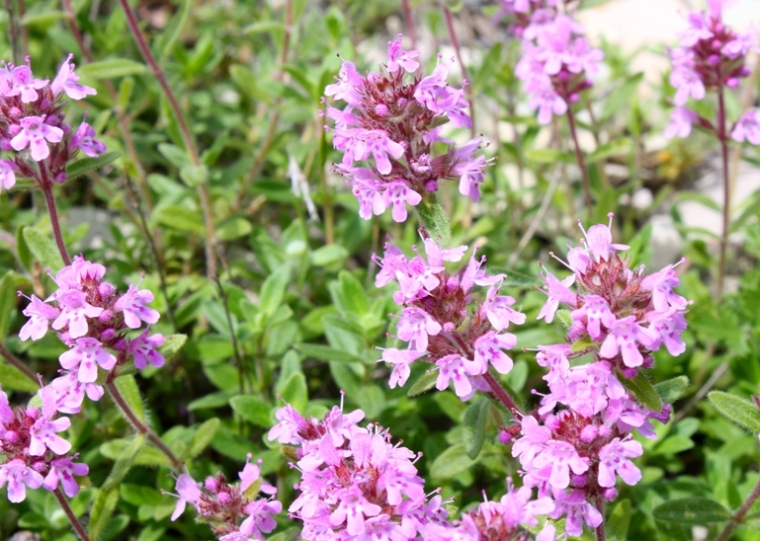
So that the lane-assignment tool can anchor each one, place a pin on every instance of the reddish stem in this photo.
(409, 22)
(47, 188)
(12, 359)
(203, 192)
(581, 161)
(462, 67)
(722, 136)
(78, 528)
(141, 427)
(501, 394)
(737, 519)
(600, 533)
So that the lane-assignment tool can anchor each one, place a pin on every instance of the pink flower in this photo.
(469, 168)
(63, 470)
(84, 140)
(548, 102)
(624, 338)
(562, 457)
(599, 241)
(34, 134)
(19, 476)
(397, 195)
(401, 360)
(40, 314)
(24, 83)
(557, 292)
(577, 510)
(748, 128)
(349, 86)
(67, 81)
(188, 491)
(132, 304)
(87, 354)
(669, 325)
(74, 312)
(681, 120)
(7, 175)
(613, 459)
(415, 325)
(352, 509)
(144, 349)
(452, 368)
(688, 84)
(488, 350)
(596, 312)
(401, 59)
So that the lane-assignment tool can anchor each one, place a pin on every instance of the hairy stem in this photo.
(47, 188)
(581, 161)
(13, 360)
(141, 427)
(406, 5)
(722, 136)
(737, 519)
(600, 533)
(501, 394)
(78, 528)
(202, 190)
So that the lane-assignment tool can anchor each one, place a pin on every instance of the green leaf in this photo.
(127, 387)
(294, 391)
(692, 511)
(7, 302)
(565, 316)
(353, 294)
(435, 221)
(148, 456)
(234, 228)
(252, 409)
(176, 156)
(736, 409)
(202, 438)
(123, 463)
(80, 167)
(22, 248)
(108, 69)
(181, 218)
(607, 150)
(326, 255)
(273, 291)
(213, 400)
(424, 384)
(451, 462)
(102, 509)
(474, 426)
(582, 344)
(288, 535)
(326, 353)
(618, 521)
(172, 344)
(672, 389)
(673, 445)
(173, 31)
(13, 378)
(643, 390)
(549, 155)
(43, 249)
(621, 96)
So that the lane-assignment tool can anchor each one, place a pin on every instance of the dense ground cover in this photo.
(244, 194)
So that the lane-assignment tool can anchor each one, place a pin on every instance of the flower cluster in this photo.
(710, 56)
(93, 319)
(555, 63)
(498, 520)
(391, 122)
(519, 13)
(437, 323)
(224, 505)
(579, 440)
(32, 454)
(355, 484)
(32, 126)
(619, 314)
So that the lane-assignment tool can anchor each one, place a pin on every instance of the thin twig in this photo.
(465, 76)
(406, 5)
(141, 427)
(581, 162)
(13, 32)
(737, 519)
(202, 189)
(47, 189)
(15, 361)
(78, 528)
(501, 394)
(723, 137)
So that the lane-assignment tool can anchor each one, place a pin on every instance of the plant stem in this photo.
(462, 67)
(78, 528)
(725, 535)
(47, 188)
(726, 195)
(202, 190)
(600, 533)
(141, 427)
(501, 394)
(409, 22)
(12, 359)
(581, 161)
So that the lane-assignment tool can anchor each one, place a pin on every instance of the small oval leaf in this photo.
(736, 409)
(692, 511)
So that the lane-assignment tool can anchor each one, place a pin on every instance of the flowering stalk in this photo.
(738, 517)
(581, 161)
(722, 137)
(202, 189)
(141, 427)
(78, 528)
